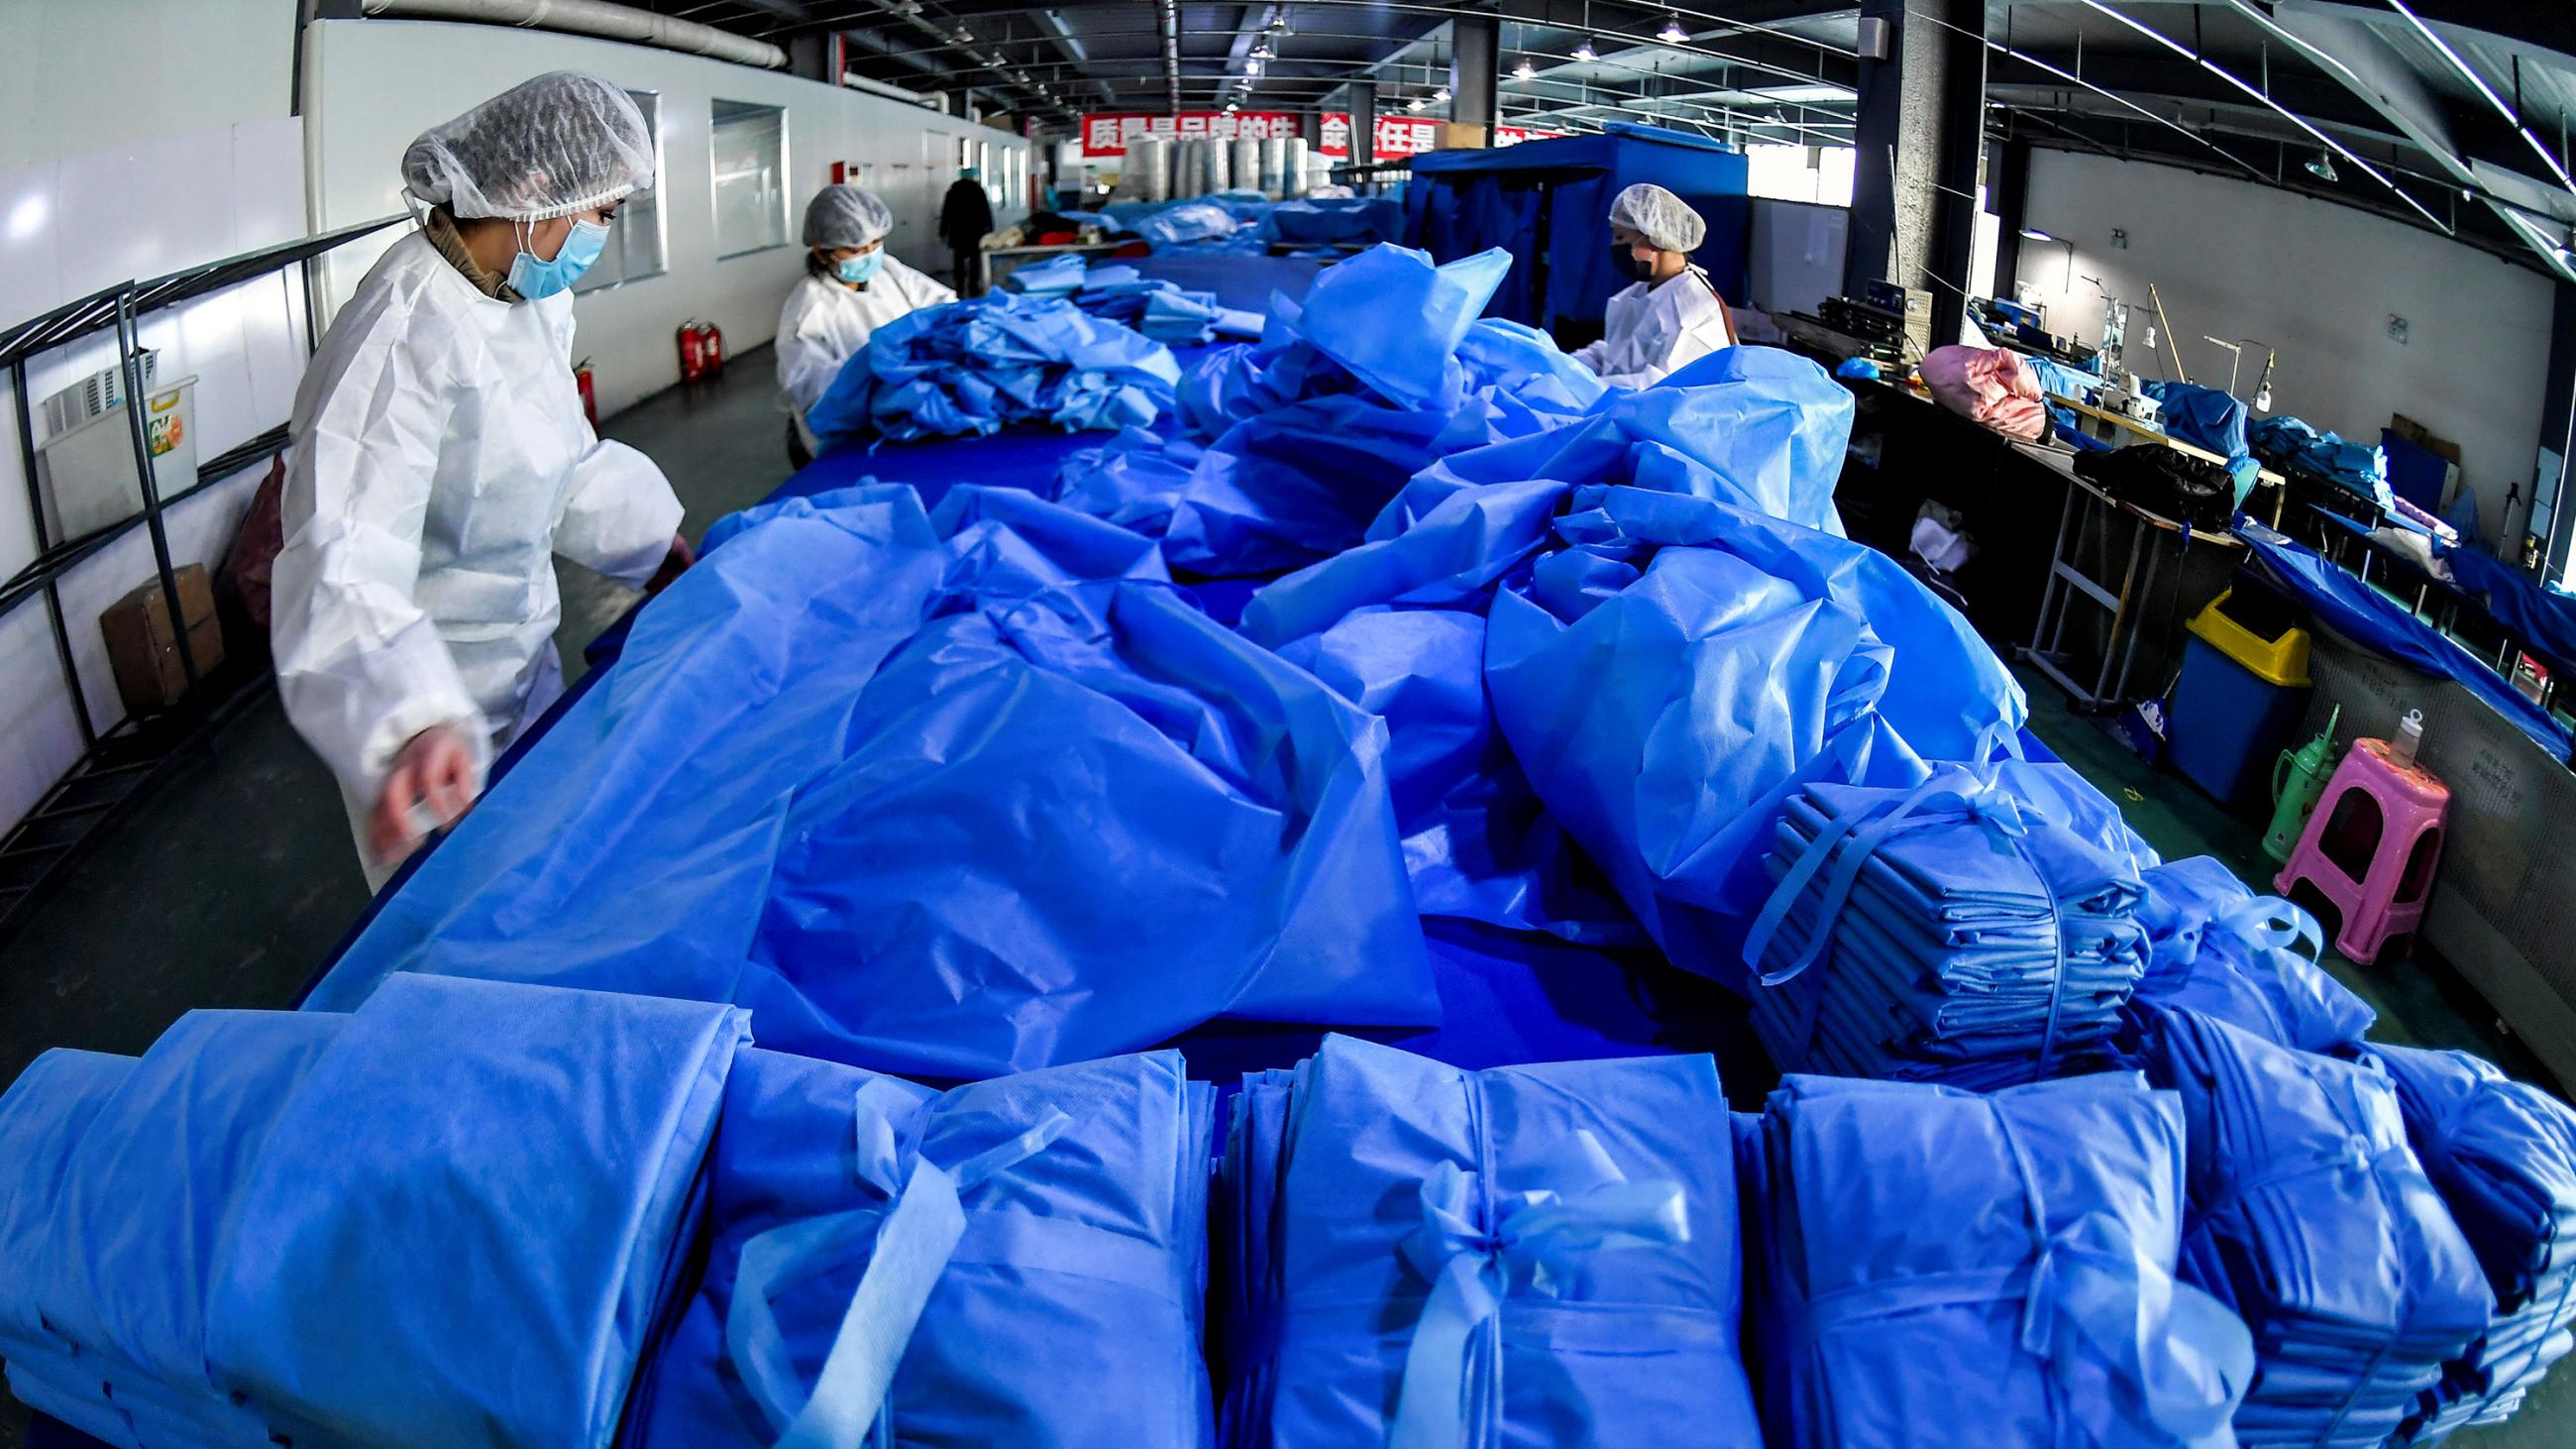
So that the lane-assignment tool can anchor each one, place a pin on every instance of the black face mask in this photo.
(1624, 261)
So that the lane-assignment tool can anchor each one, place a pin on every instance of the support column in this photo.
(2557, 435)
(1363, 94)
(1475, 72)
(2011, 191)
(1921, 127)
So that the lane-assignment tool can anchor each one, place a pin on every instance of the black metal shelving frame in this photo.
(121, 764)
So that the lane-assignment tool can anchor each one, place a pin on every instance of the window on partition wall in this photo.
(1817, 174)
(634, 249)
(751, 177)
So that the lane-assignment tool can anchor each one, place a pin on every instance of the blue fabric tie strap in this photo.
(2271, 923)
(908, 1241)
(1590, 1204)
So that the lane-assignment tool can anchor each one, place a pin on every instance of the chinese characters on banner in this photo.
(1108, 135)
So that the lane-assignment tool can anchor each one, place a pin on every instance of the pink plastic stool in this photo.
(2370, 848)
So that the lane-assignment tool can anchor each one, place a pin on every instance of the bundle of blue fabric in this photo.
(1330, 220)
(1021, 1262)
(1417, 1256)
(1944, 1267)
(2292, 446)
(2219, 949)
(951, 796)
(282, 1227)
(1159, 309)
(2503, 1156)
(979, 365)
(2313, 1219)
(1312, 432)
(1962, 931)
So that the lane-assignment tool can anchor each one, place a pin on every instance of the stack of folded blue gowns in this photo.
(1953, 932)
(2503, 1156)
(981, 365)
(2313, 1219)
(951, 797)
(2293, 446)
(450, 1218)
(1162, 310)
(1413, 1255)
(1948, 1268)
(1018, 1262)
(2217, 948)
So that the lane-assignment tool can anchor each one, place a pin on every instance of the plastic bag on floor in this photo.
(1674, 667)
(1997, 1269)
(1019, 1262)
(954, 807)
(2503, 1156)
(1422, 1256)
(2313, 1219)
(303, 1226)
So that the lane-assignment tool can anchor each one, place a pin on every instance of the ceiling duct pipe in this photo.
(592, 17)
(1168, 16)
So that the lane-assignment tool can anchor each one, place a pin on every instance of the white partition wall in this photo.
(371, 85)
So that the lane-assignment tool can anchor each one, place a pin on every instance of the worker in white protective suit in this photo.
(440, 456)
(1670, 315)
(852, 286)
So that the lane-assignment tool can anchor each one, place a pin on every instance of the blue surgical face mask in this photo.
(861, 268)
(532, 278)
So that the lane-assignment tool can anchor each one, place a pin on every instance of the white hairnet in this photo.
(562, 143)
(846, 216)
(1663, 219)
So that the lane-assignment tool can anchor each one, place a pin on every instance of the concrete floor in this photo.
(233, 884)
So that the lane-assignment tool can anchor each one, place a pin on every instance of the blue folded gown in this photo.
(1422, 1257)
(1016, 1262)
(284, 1227)
(977, 366)
(1948, 1268)
(1954, 932)
(2313, 1219)
(2502, 1154)
(2217, 948)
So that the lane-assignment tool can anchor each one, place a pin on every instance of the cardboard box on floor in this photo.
(143, 649)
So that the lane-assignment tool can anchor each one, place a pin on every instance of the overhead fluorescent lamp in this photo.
(2032, 233)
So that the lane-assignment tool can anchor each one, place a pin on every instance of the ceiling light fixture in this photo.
(1524, 70)
(1252, 67)
(1414, 105)
(2323, 168)
(1441, 94)
(1672, 33)
(1585, 50)
(2032, 233)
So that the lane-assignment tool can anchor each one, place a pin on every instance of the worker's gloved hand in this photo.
(674, 564)
(433, 775)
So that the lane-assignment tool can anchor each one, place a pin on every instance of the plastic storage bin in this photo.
(2243, 689)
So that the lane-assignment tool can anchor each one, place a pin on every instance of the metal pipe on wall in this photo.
(593, 17)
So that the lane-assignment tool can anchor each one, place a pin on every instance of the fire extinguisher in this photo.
(589, 395)
(712, 344)
(693, 353)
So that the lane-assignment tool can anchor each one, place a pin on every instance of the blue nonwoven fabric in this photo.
(2293, 446)
(1996, 1268)
(954, 806)
(2369, 618)
(983, 364)
(1953, 932)
(1186, 222)
(1674, 667)
(2542, 616)
(2503, 1156)
(1133, 480)
(2313, 1219)
(2216, 947)
(1158, 309)
(303, 1226)
(1062, 1306)
(1328, 219)
(1411, 1255)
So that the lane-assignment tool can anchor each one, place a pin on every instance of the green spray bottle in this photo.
(2298, 783)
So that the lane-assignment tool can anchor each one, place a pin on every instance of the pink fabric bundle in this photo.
(1990, 386)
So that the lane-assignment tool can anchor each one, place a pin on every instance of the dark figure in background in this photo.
(964, 218)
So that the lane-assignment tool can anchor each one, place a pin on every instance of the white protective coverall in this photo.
(825, 323)
(1654, 331)
(440, 458)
